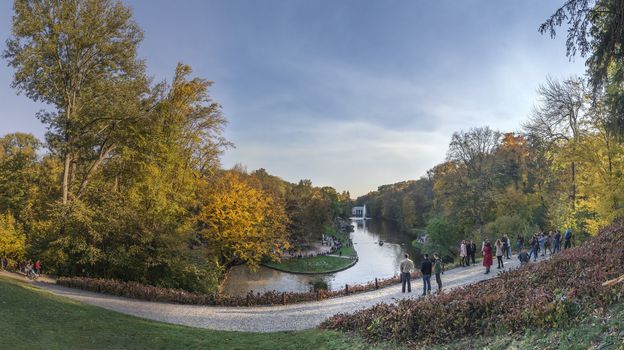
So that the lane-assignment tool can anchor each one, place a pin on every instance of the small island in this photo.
(340, 256)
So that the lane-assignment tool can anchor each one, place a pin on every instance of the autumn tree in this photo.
(241, 223)
(12, 239)
(78, 56)
(18, 172)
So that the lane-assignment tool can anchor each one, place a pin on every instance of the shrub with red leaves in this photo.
(545, 295)
(146, 292)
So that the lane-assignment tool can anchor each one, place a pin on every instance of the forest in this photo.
(127, 183)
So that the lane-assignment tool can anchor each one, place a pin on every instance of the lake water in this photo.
(375, 261)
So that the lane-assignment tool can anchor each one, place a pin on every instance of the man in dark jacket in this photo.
(472, 250)
(557, 242)
(425, 269)
(567, 239)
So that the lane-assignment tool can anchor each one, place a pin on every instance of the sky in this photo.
(352, 94)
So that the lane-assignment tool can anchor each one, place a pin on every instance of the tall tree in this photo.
(561, 116)
(78, 56)
(596, 29)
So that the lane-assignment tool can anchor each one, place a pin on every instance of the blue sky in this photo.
(350, 94)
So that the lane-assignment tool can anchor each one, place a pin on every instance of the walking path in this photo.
(267, 318)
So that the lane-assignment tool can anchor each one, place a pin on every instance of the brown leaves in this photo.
(547, 294)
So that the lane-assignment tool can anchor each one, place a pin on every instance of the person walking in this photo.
(542, 243)
(38, 267)
(567, 239)
(438, 269)
(519, 243)
(472, 252)
(534, 247)
(506, 247)
(463, 254)
(406, 266)
(425, 269)
(498, 245)
(548, 243)
(487, 255)
(557, 242)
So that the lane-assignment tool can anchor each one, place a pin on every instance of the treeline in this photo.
(409, 203)
(128, 183)
(564, 169)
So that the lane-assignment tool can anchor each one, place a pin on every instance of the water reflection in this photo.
(374, 261)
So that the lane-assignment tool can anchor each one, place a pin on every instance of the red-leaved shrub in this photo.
(146, 292)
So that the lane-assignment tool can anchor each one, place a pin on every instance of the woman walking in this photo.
(499, 253)
(463, 254)
(487, 256)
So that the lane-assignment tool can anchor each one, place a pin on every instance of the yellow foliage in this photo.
(12, 240)
(243, 222)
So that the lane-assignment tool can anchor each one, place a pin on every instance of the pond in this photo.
(375, 261)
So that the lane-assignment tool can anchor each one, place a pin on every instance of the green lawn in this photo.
(34, 319)
(323, 263)
(317, 264)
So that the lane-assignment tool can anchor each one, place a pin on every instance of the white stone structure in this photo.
(359, 211)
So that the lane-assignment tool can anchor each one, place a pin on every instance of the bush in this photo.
(542, 295)
(152, 293)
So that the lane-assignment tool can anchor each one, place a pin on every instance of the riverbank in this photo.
(342, 258)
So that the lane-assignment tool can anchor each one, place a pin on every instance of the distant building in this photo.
(359, 211)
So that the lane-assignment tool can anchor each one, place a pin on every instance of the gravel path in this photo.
(268, 318)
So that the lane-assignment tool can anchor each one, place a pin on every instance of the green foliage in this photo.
(441, 237)
(511, 226)
(409, 203)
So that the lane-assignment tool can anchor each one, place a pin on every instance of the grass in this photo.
(321, 263)
(35, 319)
(317, 264)
(596, 332)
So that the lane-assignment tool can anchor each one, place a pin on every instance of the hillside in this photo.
(555, 294)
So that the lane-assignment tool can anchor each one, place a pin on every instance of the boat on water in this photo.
(381, 242)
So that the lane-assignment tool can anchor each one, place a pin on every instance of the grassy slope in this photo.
(34, 319)
(604, 332)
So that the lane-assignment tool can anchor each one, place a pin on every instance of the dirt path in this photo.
(266, 318)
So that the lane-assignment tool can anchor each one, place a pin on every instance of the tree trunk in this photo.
(573, 194)
(67, 169)
(85, 181)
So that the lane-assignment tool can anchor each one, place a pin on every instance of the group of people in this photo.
(27, 267)
(502, 249)
(30, 269)
(551, 242)
(427, 268)
(540, 243)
